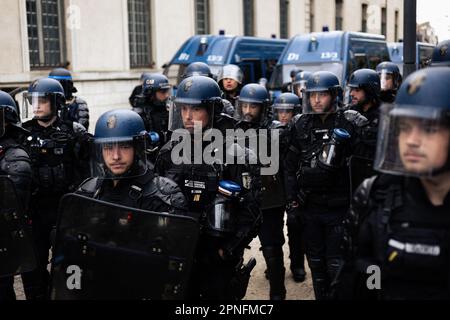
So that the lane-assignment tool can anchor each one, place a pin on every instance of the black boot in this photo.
(276, 271)
(296, 248)
(321, 282)
(298, 273)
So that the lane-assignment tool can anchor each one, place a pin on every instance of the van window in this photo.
(252, 70)
(365, 54)
(425, 54)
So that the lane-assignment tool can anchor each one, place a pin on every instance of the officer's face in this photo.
(162, 95)
(251, 111)
(320, 101)
(42, 107)
(284, 116)
(192, 114)
(230, 84)
(298, 89)
(118, 157)
(358, 96)
(387, 82)
(423, 145)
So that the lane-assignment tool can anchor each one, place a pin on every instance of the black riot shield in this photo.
(359, 169)
(106, 251)
(17, 253)
(273, 195)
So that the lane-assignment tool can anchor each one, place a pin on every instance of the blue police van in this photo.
(336, 51)
(424, 52)
(256, 57)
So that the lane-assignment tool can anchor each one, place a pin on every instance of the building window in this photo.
(202, 16)
(284, 19)
(364, 18)
(139, 33)
(396, 26)
(339, 15)
(383, 21)
(249, 18)
(311, 15)
(45, 39)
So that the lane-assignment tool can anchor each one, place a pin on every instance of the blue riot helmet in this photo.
(286, 106)
(195, 103)
(154, 83)
(119, 144)
(8, 112)
(300, 81)
(390, 76)
(414, 132)
(197, 69)
(64, 77)
(323, 93)
(367, 80)
(441, 55)
(294, 72)
(252, 104)
(46, 97)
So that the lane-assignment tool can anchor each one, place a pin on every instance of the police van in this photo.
(256, 57)
(424, 52)
(337, 51)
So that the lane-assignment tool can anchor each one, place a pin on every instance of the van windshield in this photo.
(281, 75)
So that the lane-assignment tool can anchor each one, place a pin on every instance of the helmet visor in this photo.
(188, 116)
(299, 88)
(42, 105)
(412, 141)
(118, 158)
(249, 112)
(2, 122)
(319, 102)
(387, 80)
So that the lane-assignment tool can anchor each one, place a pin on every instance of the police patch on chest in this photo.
(194, 184)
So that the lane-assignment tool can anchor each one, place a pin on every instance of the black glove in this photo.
(294, 214)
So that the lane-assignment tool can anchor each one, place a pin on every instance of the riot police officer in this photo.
(316, 176)
(251, 113)
(390, 80)
(222, 195)
(154, 112)
(230, 81)
(16, 165)
(441, 54)
(400, 217)
(136, 99)
(364, 86)
(131, 220)
(120, 170)
(59, 153)
(287, 109)
(299, 84)
(75, 109)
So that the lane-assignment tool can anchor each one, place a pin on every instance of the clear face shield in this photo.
(284, 112)
(43, 106)
(2, 122)
(387, 81)
(221, 215)
(299, 88)
(249, 112)
(189, 116)
(118, 158)
(319, 102)
(413, 141)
